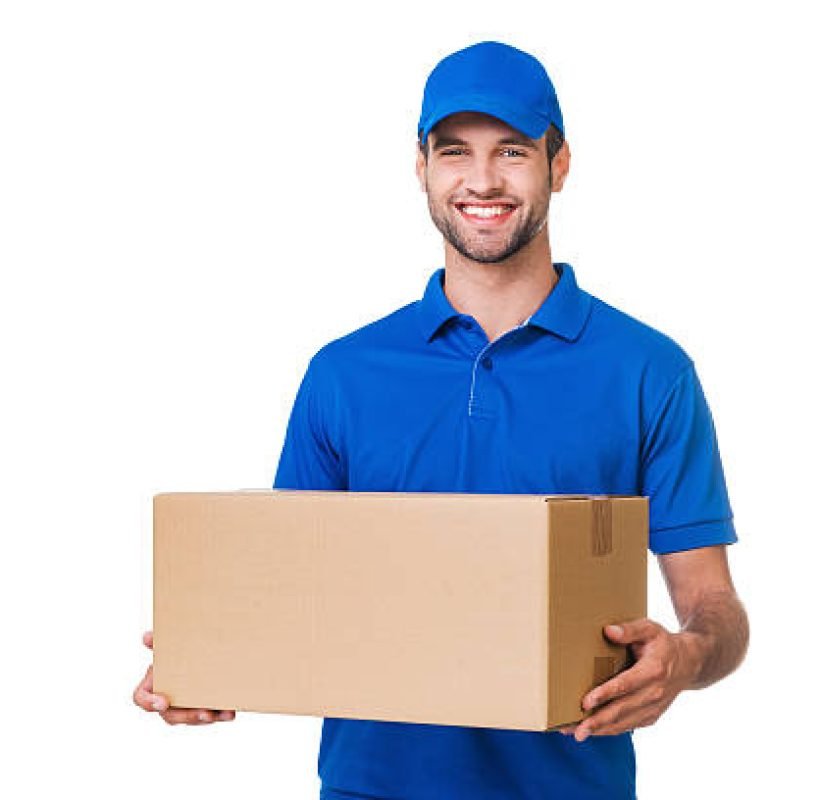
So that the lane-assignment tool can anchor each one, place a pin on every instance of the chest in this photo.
(494, 423)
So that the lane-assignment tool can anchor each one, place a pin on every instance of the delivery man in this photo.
(508, 377)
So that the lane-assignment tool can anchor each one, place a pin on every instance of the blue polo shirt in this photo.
(579, 398)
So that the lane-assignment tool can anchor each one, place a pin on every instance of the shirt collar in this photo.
(564, 312)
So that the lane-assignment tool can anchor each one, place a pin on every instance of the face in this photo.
(488, 186)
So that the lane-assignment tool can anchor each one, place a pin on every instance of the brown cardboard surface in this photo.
(459, 609)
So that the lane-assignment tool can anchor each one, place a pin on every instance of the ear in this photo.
(560, 167)
(421, 165)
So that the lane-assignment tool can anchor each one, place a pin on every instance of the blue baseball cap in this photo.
(496, 79)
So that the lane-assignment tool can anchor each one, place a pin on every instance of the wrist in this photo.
(694, 647)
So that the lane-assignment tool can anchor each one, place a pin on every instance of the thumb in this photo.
(635, 631)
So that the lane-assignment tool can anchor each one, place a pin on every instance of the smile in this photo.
(492, 214)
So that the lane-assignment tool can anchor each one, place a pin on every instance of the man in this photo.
(508, 377)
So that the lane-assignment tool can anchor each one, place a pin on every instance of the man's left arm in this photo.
(711, 643)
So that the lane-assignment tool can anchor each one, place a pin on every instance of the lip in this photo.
(486, 222)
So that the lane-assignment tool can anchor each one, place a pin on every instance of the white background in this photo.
(195, 196)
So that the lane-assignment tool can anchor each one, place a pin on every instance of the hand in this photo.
(666, 665)
(145, 698)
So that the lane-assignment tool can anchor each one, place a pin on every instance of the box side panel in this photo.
(597, 576)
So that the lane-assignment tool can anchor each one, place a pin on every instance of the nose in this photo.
(483, 177)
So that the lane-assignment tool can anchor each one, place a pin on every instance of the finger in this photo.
(196, 716)
(188, 716)
(149, 701)
(621, 727)
(624, 683)
(144, 695)
(628, 723)
(640, 708)
(148, 639)
(639, 630)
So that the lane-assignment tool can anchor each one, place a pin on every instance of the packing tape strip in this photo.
(601, 526)
(603, 669)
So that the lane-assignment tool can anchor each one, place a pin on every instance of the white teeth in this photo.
(485, 211)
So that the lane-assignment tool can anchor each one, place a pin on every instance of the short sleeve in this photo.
(309, 457)
(682, 472)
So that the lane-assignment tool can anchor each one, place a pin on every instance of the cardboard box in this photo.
(458, 609)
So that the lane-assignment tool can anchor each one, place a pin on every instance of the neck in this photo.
(500, 296)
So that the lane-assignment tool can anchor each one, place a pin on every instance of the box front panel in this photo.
(406, 607)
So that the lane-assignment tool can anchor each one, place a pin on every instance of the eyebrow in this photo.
(452, 141)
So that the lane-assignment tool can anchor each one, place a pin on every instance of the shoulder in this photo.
(635, 341)
(396, 330)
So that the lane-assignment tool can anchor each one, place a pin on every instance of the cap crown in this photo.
(492, 78)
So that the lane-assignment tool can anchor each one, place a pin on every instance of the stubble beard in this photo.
(520, 237)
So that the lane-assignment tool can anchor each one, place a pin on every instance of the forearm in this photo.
(716, 635)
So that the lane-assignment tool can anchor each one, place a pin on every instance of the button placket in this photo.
(485, 360)
(476, 361)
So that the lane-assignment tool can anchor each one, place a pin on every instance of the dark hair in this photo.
(554, 141)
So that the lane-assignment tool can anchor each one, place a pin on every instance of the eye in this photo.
(513, 152)
(453, 151)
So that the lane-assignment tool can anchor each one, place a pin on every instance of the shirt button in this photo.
(487, 362)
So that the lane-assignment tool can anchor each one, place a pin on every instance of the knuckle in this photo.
(141, 699)
(596, 722)
(169, 717)
(657, 670)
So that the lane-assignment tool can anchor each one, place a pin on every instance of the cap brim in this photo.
(531, 124)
